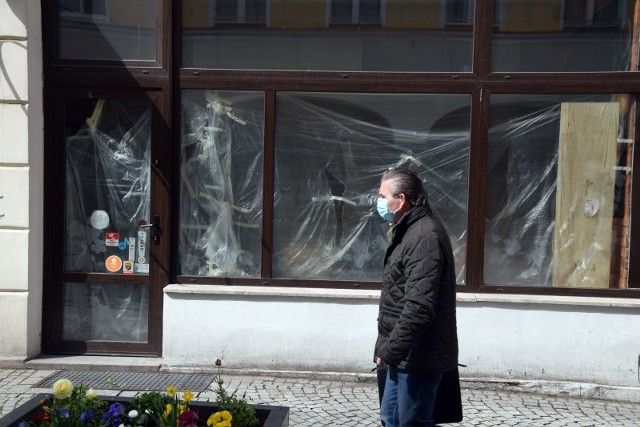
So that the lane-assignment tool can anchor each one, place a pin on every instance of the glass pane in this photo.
(221, 183)
(563, 35)
(108, 30)
(558, 199)
(107, 185)
(102, 312)
(348, 35)
(331, 150)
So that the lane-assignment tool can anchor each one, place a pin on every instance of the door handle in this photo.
(154, 228)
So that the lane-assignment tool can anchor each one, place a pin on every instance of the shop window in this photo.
(558, 207)
(348, 35)
(330, 152)
(101, 30)
(563, 35)
(330, 148)
(221, 183)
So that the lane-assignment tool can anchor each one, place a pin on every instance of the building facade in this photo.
(197, 179)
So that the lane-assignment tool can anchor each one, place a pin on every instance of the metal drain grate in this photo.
(138, 381)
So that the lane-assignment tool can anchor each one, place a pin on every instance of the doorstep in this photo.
(90, 363)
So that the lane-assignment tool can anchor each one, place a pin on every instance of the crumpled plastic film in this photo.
(522, 175)
(522, 213)
(330, 155)
(221, 183)
(107, 168)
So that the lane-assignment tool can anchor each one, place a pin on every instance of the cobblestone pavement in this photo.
(314, 402)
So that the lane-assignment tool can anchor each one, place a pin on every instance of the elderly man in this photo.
(417, 333)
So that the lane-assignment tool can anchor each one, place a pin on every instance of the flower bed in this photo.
(268, 416)
(79, 406)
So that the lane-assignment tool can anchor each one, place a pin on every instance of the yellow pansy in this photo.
(220, 419)
(62, 388)
(171, 390)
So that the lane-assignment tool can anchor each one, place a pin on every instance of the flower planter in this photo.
(269, 416)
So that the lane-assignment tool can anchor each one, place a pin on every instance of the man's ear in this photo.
(404, 203)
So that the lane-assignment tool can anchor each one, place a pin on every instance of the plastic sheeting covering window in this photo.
(105, 312)
(331, 150)
(107, 185)
(107, 193)
(221, 183)
(523, 199)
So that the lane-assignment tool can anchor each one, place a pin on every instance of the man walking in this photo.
(417, 333)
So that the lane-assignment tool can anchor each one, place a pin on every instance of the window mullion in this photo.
(268, 184)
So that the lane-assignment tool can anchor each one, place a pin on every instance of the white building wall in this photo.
(21, 164)
(557, 339)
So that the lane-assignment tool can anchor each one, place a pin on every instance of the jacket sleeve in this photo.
(423, 269)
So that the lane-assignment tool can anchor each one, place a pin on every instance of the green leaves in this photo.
(243, 414)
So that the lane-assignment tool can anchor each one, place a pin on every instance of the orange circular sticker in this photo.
(114, 263)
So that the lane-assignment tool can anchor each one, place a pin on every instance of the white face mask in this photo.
(383, 209)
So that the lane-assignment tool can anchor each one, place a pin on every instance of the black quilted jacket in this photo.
(417, 316)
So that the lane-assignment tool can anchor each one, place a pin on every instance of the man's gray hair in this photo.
(404, 181)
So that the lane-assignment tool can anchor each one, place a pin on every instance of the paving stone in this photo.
(315, 402)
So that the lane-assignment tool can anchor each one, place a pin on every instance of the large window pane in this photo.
(221, 183)
(107, 175)
(108, 30)
(105, 312)
(348, 35)
(331, 150)
(558, 201)
(563, 35)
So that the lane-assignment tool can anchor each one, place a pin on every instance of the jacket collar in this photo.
(410, 217)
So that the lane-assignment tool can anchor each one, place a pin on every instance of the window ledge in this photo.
(364, 294)
(272, 291)
(551, 299)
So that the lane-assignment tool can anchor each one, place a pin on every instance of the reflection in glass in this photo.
(103, 312)
(107, 185)
(331, 150)
(563, 35)
(221, 183)
(107, 30)
(347, 35)
(557, 197)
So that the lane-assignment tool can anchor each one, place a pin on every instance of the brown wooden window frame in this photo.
(480, 83)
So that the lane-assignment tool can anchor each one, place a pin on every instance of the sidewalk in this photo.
(325, 402)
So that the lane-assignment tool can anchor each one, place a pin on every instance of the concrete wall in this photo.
(586, 340)
(21, 165)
